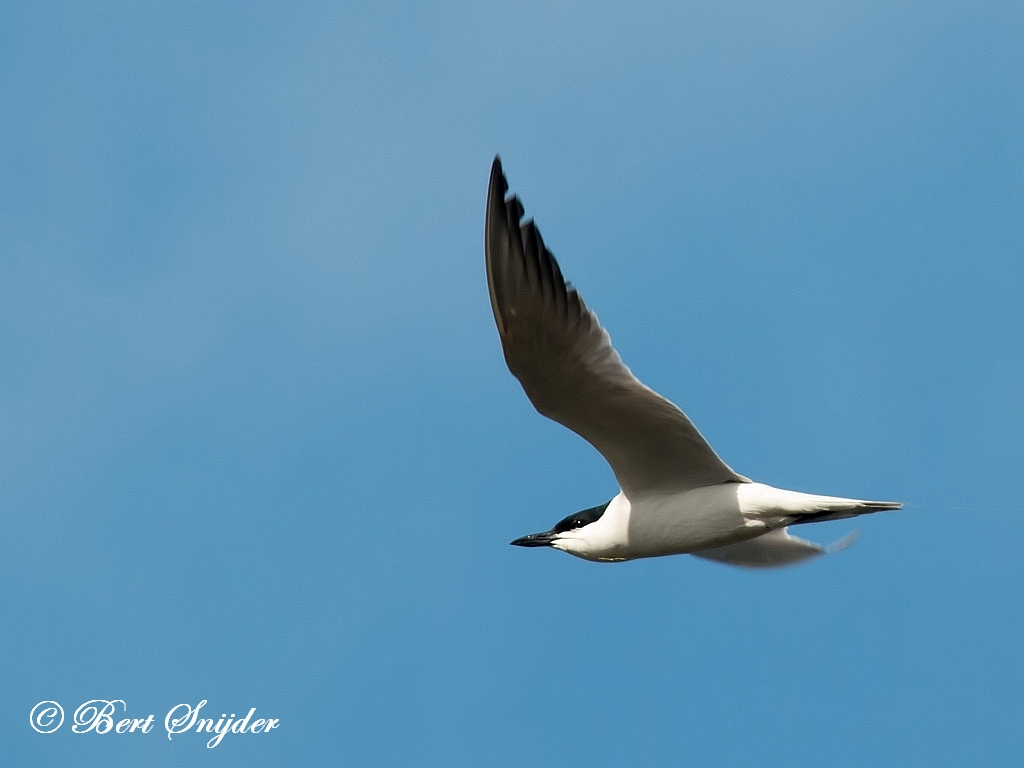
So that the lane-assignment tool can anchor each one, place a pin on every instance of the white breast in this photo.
(685, 522)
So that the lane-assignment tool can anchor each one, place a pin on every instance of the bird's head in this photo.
(576, 534)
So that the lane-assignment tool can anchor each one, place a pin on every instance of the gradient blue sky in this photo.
(258, 444)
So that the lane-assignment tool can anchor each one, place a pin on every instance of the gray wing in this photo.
(773, 550)
(566, 364)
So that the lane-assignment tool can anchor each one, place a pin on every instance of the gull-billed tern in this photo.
(676, 495)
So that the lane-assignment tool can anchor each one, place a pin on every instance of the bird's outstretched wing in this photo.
(773, 550)
(565, 361)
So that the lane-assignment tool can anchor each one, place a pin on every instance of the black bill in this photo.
(535, 540)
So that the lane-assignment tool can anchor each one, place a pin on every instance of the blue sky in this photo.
(258, 445)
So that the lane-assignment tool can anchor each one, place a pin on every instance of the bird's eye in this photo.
(579, 522)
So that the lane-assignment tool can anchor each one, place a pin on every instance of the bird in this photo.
(676, 496)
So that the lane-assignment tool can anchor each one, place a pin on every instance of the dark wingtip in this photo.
(515, 209)
(498, 180)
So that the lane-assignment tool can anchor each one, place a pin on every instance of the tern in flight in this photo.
(676, 495)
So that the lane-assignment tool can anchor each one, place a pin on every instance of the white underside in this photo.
(726, 522)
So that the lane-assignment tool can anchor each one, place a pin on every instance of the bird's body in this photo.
(703, 519)
(677, 496)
